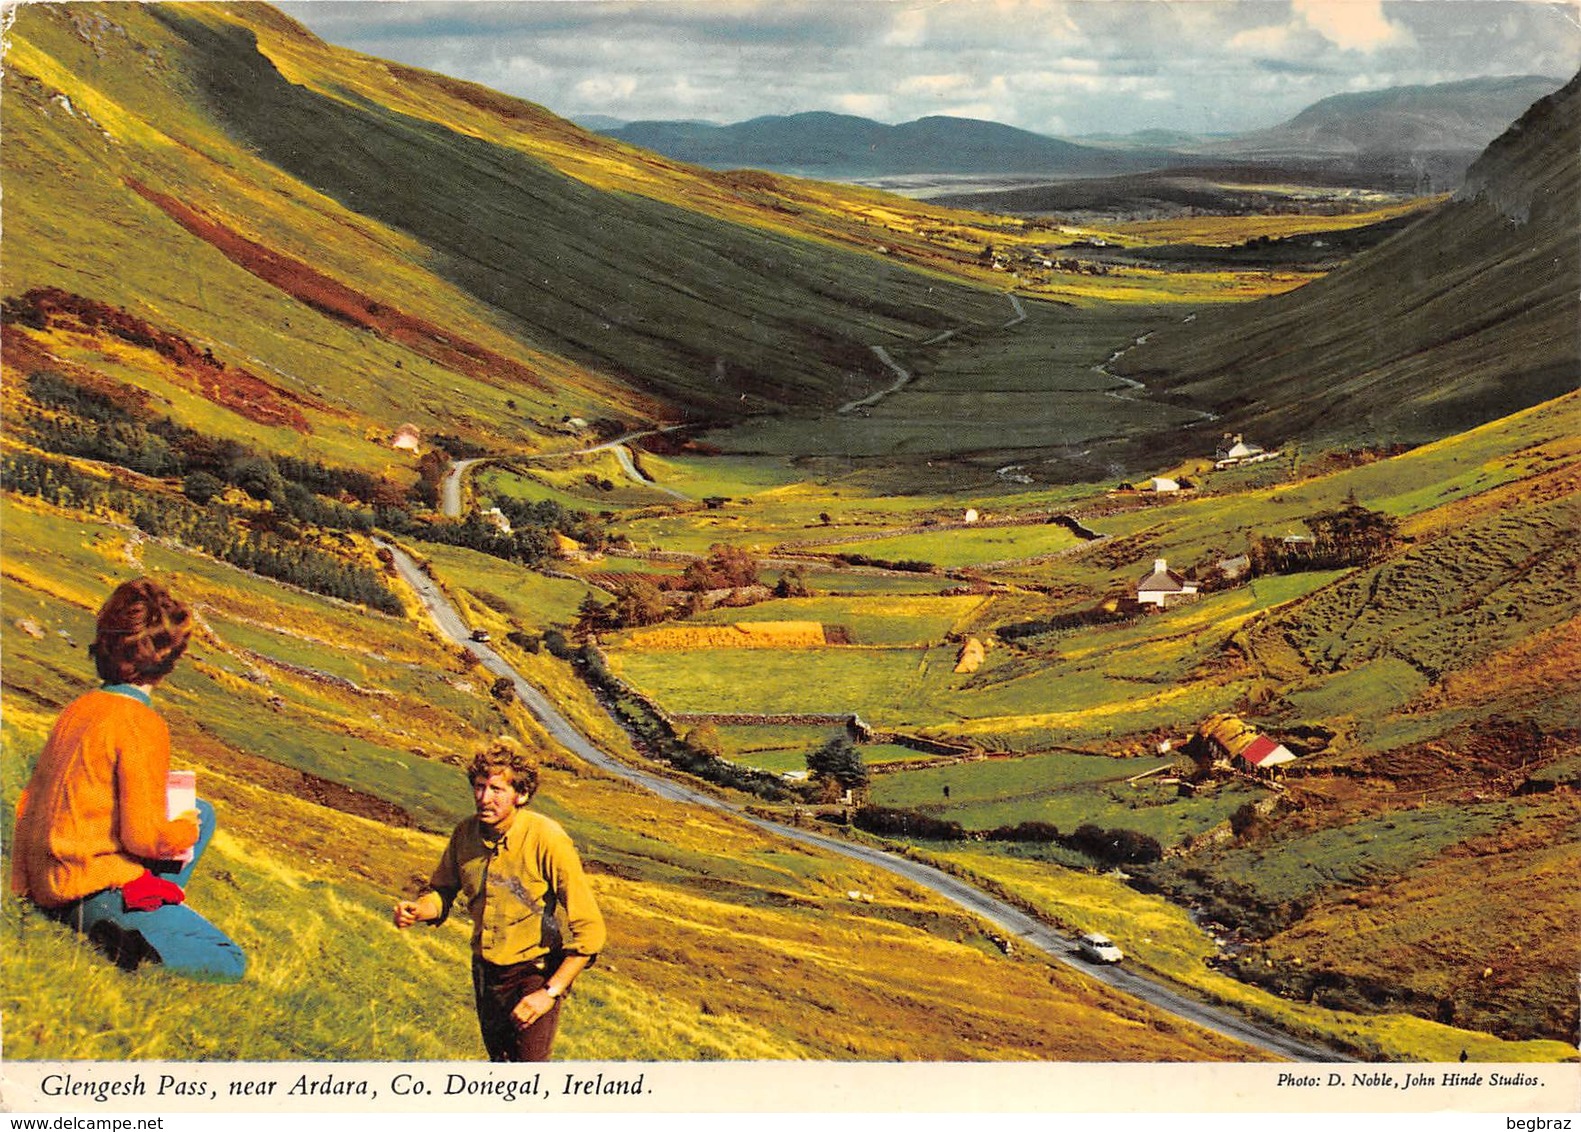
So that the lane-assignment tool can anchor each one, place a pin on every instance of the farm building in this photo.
(496, 518)
(1239, 452)
(1229, 740)
(1164, 587)
(406, 438)
(1161, 484)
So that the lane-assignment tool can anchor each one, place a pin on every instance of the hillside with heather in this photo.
(840, 533)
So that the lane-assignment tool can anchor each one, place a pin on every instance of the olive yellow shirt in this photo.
(517, 887)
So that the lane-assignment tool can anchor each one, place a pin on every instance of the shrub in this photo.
(887, 822)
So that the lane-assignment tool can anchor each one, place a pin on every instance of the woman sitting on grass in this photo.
(93, 846)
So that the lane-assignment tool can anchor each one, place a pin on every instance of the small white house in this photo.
(497, 518)
(1240, 452)
(1163, 586)
(406, 438)
(1162, 484)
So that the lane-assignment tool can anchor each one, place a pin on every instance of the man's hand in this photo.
(531, 1008)
(407, 913)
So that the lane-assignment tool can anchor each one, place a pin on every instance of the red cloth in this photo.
(148, 892)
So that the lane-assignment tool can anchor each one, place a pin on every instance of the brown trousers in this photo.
(497, 989)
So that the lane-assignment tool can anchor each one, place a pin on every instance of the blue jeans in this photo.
(172, 934)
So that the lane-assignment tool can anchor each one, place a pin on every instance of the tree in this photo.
(838, 766)
(259, 478)
(726, 567)
(792, 584)
(592, 615)
(200, 487)
(639, 602)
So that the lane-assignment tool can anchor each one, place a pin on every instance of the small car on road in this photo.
(1099, 948)
(480, 635)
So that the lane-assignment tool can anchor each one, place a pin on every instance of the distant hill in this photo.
(1469, 314)
(1416, 138)
(844, 147)
(1421, 137)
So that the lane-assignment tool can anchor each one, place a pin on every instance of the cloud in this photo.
(1352, 25)
(1087, 64)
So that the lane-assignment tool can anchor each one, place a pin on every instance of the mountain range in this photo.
(1419, 137)
(846, 147)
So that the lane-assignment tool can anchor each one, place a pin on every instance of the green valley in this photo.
(769, 470)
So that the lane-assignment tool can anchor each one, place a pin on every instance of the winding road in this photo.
(450, 489)
(1018, 924)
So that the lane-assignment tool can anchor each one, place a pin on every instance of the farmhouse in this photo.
(496, 518)
(1164, 587)
(1230, 741)
(1237, 452)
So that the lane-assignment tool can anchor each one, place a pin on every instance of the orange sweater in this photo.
(94, 811)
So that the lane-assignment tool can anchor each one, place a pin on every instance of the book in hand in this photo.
(181, 797)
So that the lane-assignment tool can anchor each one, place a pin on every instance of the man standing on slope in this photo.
(517, 868)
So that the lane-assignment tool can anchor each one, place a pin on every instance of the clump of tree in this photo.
(278, 552)
(1349, 536)
(638, 602)
(724, 568)
(792, 583)
(837, 766)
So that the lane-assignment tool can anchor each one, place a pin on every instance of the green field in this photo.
(504, 596)
(968, 546)
(870, 620)
(1063, 789)
(1361, 853)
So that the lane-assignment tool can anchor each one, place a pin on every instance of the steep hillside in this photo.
(1467, 315)
(424, 240)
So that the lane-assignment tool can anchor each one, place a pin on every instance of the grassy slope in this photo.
(707, 915)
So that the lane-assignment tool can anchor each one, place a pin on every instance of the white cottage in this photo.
(1163, 586)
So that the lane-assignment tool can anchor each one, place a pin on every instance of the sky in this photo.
(1061, 67)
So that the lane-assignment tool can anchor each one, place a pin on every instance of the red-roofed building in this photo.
(1262, 753)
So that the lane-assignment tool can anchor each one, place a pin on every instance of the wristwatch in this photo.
(552, 992)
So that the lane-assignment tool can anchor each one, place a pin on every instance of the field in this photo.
(878, 620)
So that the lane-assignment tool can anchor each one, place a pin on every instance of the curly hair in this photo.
(142, 632)
(506, 756)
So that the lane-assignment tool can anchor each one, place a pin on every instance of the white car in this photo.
(1099, 948)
